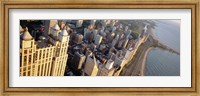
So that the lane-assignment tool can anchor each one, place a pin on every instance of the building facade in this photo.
(47, 60)
(91, 67)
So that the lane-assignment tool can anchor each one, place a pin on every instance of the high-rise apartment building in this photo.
(79, 23)
(91, 67)
(44, 57)
(103, 71)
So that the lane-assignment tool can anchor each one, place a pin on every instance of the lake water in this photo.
(161, 62)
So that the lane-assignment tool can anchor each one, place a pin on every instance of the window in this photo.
(25, 51)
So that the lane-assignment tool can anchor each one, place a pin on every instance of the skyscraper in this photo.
(48, 60)
(98, 40)
(79, 23)
(91, 67)
(78, 60)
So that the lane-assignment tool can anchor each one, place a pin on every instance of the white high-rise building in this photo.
(86, 31)
(95, 32)
(109, 64)
(79, 23)
(126, 29)
(114, 29)
(125, 43)
(91, 67)
(63, 35)
(98, 40)
(92, 22)
(55, 30)
(115, 40)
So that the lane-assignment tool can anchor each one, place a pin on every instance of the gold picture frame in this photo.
(109, 4)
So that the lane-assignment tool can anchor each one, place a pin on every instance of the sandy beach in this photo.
(144, 61)
(137, 65)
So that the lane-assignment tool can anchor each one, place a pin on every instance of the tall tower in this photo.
(55, 30)
(27, 50)
(98, 40)
(92, 22)
(86, 31)
(91, 67)
(47, 26)
(115, 40)
(47, 60)
(79, 23)
(60, 56)
(34, 61)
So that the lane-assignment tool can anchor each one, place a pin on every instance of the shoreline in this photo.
(137, 65)
(144, 61)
